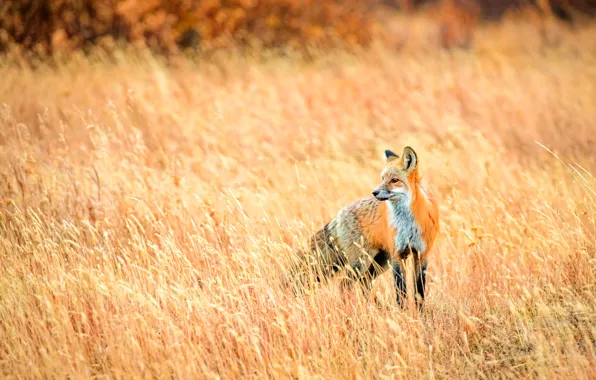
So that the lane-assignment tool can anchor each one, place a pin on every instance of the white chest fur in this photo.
(408, 230)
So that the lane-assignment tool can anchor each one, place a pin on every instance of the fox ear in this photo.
(410, 159)
(390, 156)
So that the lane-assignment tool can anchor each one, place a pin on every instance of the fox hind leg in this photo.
(377, 267)
(364, 271)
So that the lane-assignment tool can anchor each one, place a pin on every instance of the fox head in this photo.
(399, 177)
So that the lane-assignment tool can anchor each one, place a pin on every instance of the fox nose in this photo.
(376, 192)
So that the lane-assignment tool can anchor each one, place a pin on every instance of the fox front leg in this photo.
(420, 284)
(400, 284)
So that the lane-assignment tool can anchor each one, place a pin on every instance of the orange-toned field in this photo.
(149, 211)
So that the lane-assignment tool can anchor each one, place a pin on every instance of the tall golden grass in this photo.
(148, 213)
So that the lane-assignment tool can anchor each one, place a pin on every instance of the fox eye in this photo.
(394, 180)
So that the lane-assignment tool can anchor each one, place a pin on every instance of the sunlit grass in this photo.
(148, 215)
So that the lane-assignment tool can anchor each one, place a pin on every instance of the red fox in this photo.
(399, 219)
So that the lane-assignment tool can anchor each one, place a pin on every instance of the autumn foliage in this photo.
(48, 26)
(58, 25)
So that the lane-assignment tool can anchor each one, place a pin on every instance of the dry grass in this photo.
(148, 212)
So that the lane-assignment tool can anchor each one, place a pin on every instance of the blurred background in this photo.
(170, 27)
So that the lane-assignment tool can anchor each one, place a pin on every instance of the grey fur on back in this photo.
(339, 244)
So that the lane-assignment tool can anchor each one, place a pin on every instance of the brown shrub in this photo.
(62, 25)
(48, 26)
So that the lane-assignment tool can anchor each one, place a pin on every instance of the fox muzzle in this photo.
(382, 194)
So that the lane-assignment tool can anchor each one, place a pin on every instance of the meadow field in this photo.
(149, 211)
